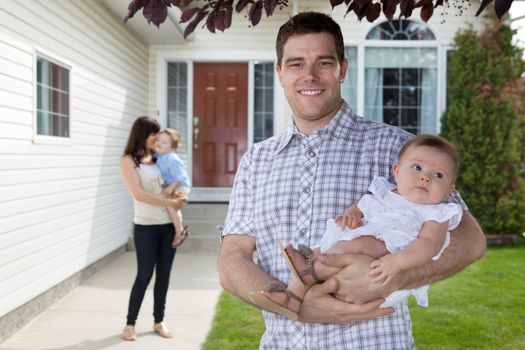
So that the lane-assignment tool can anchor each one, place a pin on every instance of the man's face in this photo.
(311, 76)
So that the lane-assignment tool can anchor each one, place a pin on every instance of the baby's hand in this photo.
(384, 269)
(350, 220)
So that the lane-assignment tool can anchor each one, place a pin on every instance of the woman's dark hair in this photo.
(310, 23)
(142, 128)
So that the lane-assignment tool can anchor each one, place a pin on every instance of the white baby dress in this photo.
(396, 221)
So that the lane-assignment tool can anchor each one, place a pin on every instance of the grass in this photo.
(482, 307)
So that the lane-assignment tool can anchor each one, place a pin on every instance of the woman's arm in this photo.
(132, 182)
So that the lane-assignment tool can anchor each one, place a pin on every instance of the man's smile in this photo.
(310, 92)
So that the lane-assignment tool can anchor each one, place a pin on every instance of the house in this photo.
(73, 77)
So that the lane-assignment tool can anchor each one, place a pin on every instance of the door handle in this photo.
(195, 138)
(195, 132)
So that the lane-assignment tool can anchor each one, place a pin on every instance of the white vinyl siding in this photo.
(63, 206)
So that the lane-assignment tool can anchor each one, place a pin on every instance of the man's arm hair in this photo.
(238, 273)
(467, 244)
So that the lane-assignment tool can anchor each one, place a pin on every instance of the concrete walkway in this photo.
(93, 315)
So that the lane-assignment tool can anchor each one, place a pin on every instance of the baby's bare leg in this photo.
(367, 245)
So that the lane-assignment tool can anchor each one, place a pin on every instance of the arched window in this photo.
(400, 30)
(401, 78)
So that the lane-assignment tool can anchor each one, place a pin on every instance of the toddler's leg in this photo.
(177, 223)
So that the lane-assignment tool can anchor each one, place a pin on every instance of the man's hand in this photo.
(319, 306)
(354, 283)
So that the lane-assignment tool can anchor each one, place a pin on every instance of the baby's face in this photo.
(163, 144)
(424, 175)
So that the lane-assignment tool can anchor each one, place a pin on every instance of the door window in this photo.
(263, 101)
(178, 102)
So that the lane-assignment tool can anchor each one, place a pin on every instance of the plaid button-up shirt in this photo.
(273, 200)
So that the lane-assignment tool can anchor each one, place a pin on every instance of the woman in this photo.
(153, 229)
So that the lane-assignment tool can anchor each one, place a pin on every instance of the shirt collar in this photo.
(338, 127)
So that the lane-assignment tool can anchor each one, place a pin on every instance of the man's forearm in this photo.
(238, 273)
(467, 244)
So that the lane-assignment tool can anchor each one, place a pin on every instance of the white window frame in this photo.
(48, 139)
(441, 64)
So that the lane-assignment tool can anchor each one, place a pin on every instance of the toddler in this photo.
(174, 175)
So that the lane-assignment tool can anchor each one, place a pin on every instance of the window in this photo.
(263, 101)
(349, 88)
(401, 82)
(178, 101)
(400, 30)
(53, 110)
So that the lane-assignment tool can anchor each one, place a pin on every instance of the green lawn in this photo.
(483, 307)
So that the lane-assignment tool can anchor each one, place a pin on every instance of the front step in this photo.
(202, 220)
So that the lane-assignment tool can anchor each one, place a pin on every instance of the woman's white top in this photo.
(396, 221)
(151, 181)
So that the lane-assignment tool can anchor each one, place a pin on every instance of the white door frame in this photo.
(163, 56)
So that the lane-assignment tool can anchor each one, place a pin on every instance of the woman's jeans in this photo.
(154, 251)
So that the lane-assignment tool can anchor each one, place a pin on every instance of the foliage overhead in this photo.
(485, 119)
(217, 14)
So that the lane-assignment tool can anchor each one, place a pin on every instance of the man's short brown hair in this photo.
(308, 23)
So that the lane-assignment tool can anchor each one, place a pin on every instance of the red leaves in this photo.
(406, 7)
(241, 4)
(501, 7)
(484, 4)
(374, 10)
(155, 11)
(255, 13)
(427, 9)
(133, 7)
(335, 3)
(389, 8)
(217, 14)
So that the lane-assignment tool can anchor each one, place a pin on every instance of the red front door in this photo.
(220, 123)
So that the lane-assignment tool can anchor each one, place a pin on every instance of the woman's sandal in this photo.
(183, 236)
(162, 330)
(262, 300)
(301, 262)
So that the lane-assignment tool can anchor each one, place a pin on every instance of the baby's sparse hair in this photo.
(175, 137)
(438, 143)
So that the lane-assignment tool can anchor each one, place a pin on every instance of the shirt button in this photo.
(311, 154)
(303, 231)
(307, 189)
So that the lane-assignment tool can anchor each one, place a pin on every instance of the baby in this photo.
(402, 226)
(174, 175)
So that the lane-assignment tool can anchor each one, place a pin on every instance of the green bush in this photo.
(485, 120)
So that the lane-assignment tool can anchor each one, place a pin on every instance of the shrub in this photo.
(485, 120)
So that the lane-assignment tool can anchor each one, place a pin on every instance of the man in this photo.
(288, 186)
